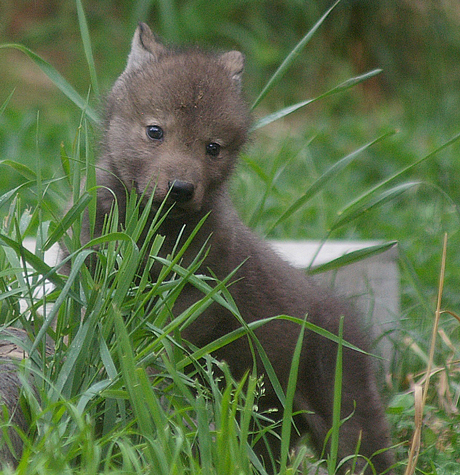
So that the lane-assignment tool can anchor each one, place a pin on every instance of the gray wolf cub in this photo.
(175, 123)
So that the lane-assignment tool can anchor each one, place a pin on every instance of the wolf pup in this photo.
(175, 123)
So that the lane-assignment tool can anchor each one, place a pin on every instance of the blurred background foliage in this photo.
(415, 42)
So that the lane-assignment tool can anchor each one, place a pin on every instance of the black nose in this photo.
(181, 191)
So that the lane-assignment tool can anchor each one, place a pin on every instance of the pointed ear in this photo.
(233, 61)
(143, 47)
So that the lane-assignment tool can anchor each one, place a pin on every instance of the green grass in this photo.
(113, 396)
(302, 177)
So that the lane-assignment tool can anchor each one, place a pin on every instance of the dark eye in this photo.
(155, 132)
(213, 149)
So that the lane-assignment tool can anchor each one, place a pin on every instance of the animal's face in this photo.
(176, 122)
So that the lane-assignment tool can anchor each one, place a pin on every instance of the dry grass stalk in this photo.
(419, 394)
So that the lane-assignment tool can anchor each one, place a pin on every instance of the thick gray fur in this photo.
(195, 97)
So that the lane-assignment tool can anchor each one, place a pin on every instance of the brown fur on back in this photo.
(195, 99)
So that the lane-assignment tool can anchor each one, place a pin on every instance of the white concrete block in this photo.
(372, 283)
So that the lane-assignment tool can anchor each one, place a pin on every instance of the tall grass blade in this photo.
(91, 182)
(70, 217)
(65, 163)
(414, 282)
(126, 273)
(109, 237)
(336, 412)
(247, 416)
(24, 170)
(235, 334)
(93, 391)
(268, 119)
(65, 293)
(289, 403)
(369, 201)
(270, 180)
(321, 182)
(279, 73)
(37, 263)
(12, 193)
(362, 198)
(205, 441)
(6, 102)
(136, 383)
(62, 84)
(421, 394)
(86, 39)
(72, 364)
(354, 256)
(225, 429)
